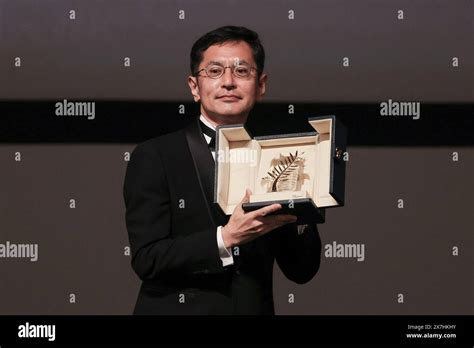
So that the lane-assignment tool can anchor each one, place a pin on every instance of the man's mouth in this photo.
(229, 97)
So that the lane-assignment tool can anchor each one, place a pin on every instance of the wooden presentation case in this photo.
(243, 161)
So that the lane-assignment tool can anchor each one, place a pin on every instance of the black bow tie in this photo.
(210, 133)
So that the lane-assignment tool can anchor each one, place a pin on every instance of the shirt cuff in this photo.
(224, 253)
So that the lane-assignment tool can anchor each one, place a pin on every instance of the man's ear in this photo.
(194, 87)
(262, 86)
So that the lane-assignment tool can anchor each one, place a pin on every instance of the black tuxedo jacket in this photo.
(172, 221)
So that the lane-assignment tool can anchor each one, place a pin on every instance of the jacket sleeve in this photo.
(298, 256)
(148, 219)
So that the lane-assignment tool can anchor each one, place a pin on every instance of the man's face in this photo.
(227, 99)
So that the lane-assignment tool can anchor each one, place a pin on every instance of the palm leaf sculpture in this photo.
(286, 167)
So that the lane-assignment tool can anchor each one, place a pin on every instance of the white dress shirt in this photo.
(224, 253)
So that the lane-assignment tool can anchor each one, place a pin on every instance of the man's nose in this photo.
(228, 81)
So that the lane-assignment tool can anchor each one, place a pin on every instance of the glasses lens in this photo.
(242, 71)
(214, 71)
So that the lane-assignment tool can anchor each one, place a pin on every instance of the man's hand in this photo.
(244, 227)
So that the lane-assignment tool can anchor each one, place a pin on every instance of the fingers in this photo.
(266, 210)
(260, 212)
(263, 223)
(269, 223)
(247, 194)
(248, 226)
(279, 218)
(245, 199)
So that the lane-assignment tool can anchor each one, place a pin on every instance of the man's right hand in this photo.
(244, 227)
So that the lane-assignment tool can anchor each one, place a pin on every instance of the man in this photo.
(191, 258)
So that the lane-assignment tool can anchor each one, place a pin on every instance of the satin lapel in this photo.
(204, 164)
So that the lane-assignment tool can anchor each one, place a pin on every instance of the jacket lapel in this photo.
(204, 164)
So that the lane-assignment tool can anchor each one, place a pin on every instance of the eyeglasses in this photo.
(215, 71)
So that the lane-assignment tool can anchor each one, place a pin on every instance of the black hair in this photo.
(228, 34)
